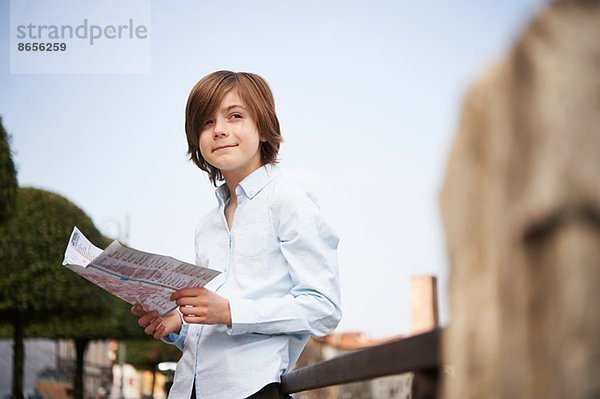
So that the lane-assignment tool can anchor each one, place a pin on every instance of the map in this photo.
(132, 275)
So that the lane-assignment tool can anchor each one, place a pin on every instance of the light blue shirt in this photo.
(280, 273)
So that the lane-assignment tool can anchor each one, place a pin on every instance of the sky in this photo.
(368, 95)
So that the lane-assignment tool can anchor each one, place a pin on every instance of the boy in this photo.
(278, 256)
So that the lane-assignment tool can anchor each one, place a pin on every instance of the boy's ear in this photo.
(263, 139)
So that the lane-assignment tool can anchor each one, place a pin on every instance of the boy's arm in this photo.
(309, 245)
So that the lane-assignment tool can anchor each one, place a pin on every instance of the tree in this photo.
(118, 323)
(43, 299)
(8, 177)
(35, 287)
(143, 351)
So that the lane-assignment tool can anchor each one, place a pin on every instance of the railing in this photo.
(419, 353)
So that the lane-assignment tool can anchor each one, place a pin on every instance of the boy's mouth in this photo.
(224, 147)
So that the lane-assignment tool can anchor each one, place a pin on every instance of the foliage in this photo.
(117, 323)
(8, 177)
(43, 299)
(32, 245)
(35, 287)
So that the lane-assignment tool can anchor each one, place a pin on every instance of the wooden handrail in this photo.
(419, 353)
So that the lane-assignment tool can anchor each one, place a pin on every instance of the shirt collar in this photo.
(252, 184)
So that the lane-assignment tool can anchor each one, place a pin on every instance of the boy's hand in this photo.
(202, 306)
(155, 325)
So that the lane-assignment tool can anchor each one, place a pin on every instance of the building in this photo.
(50, 366)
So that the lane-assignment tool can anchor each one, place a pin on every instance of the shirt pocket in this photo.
(253, 239)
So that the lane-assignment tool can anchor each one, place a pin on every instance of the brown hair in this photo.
(206, 96)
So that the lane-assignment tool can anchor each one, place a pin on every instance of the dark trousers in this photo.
(271, 391)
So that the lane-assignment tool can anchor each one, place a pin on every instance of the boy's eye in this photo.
(207, 122)
(236, 116)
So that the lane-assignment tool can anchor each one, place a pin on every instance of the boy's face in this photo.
(229, 140)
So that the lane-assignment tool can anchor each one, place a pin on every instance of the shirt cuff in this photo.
(175, 338)
(243, 316)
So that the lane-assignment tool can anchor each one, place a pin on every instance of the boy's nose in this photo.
(219, 130)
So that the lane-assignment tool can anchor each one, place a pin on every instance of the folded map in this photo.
(132, 275)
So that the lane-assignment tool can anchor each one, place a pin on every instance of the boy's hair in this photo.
(206, 96)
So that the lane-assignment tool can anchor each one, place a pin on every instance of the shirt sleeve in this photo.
(309, 247)
(177, 339)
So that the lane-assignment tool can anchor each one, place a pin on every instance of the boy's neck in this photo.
(231, 205)
(230, 209)
(231, 186)
(232, 193)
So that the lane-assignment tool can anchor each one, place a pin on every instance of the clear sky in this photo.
(368, 95)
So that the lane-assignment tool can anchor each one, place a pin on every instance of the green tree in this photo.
(43, 299)
(35, 288)
(8, 176)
